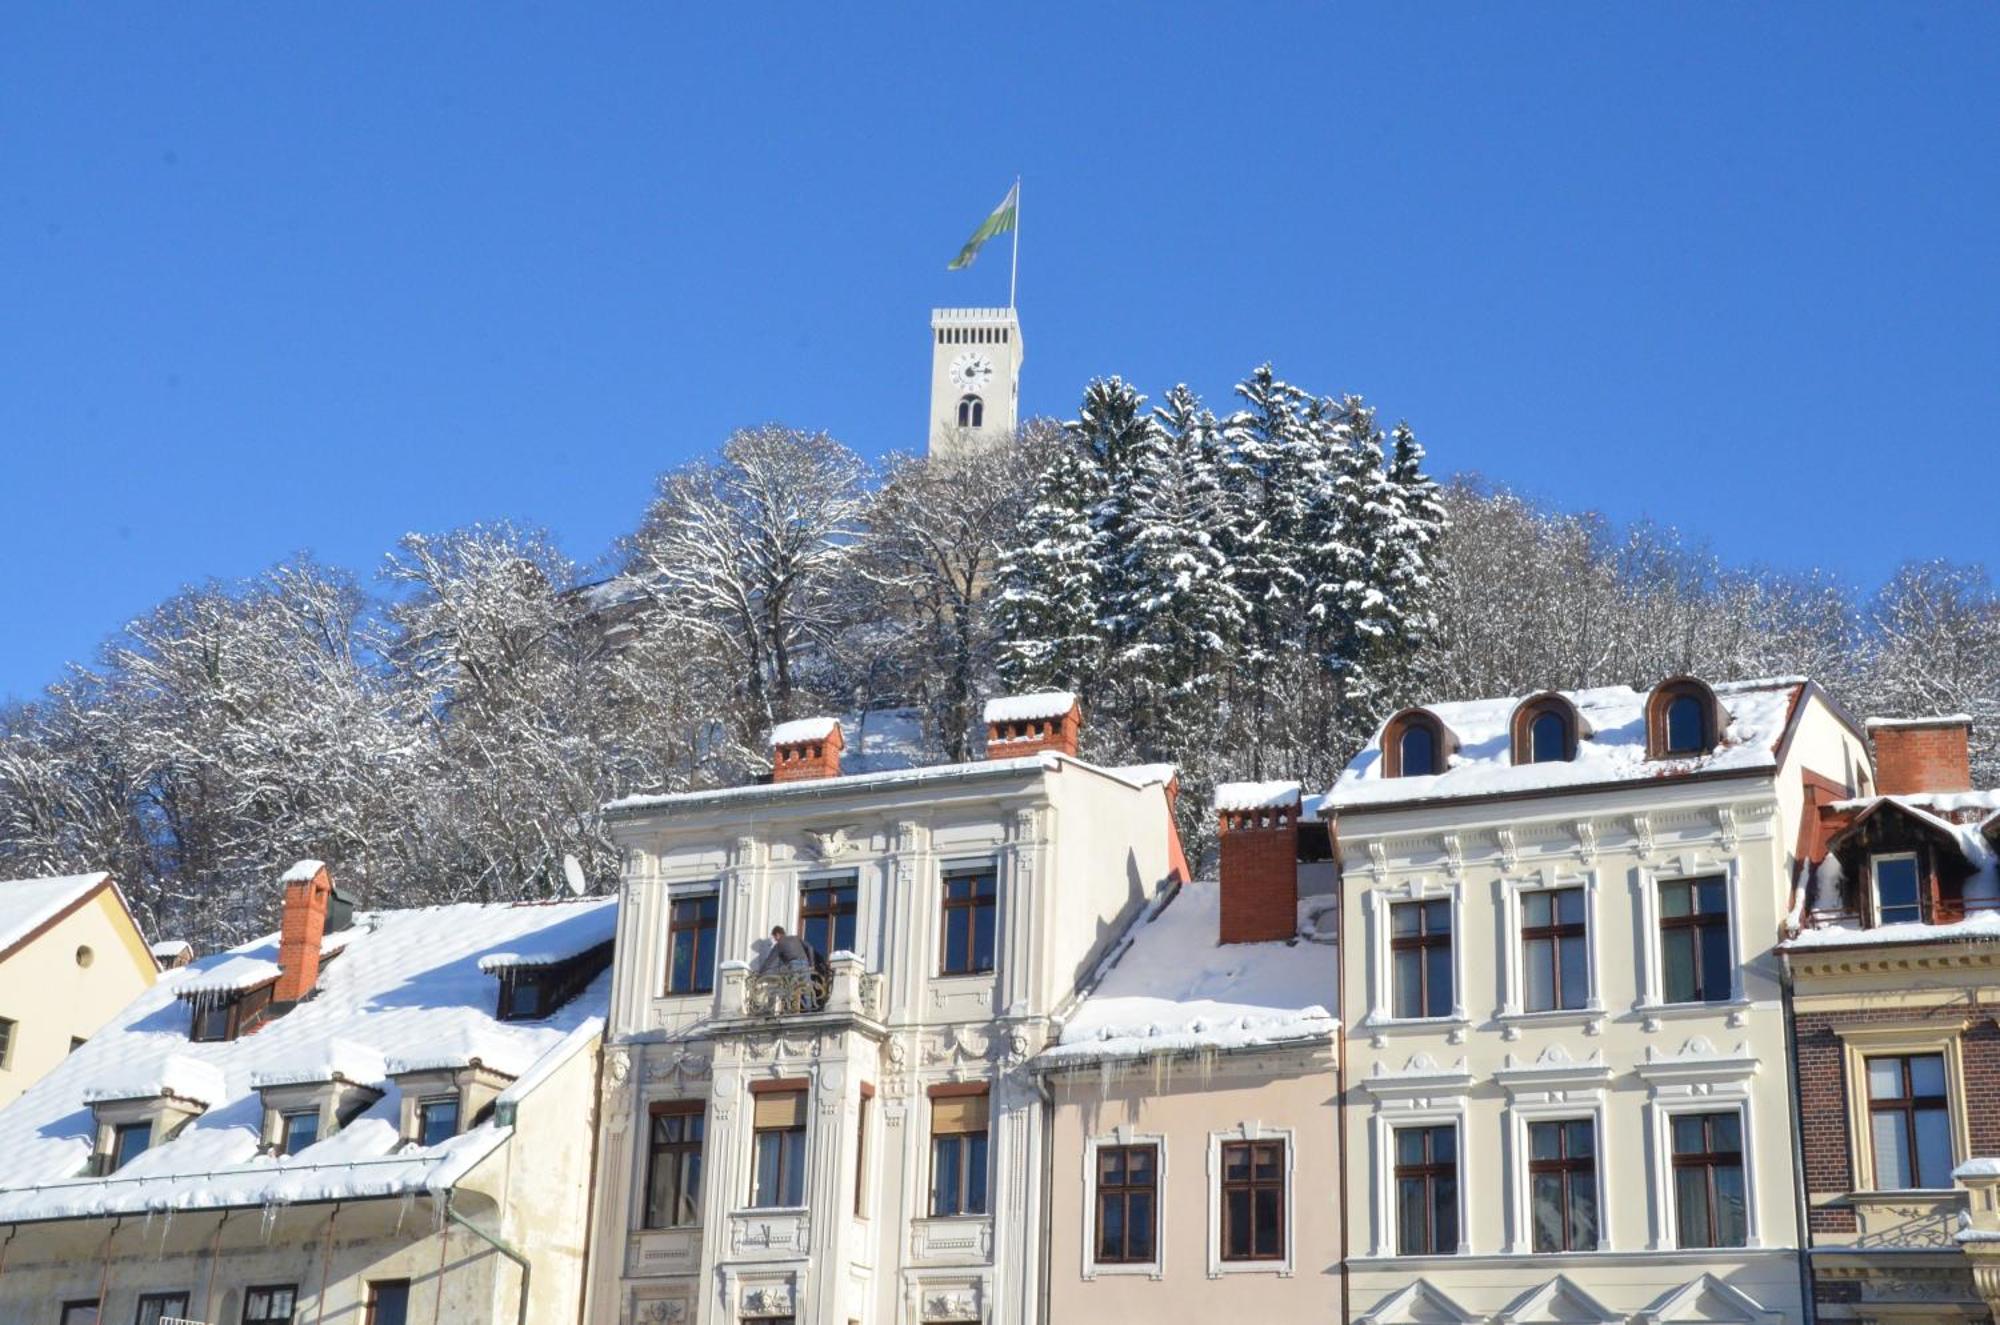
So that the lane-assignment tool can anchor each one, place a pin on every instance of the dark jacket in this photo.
(784, 951)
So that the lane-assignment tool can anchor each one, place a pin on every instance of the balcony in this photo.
(845, 991)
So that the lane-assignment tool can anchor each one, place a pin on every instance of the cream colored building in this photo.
(868, 1145)
(378, 1117)
(1194, 1126)
(71, 956)
(1568, 1094)
(976, 356)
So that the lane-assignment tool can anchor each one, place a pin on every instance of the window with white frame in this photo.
(1562, 1184)
(1420, 948)
(1426, 1190)
(1555, 950)
(1697, 962)
(1711, 1203)
(1126, 1204)
(1253, 1182)
(1898, 888)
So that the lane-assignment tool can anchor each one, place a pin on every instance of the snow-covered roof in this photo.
(28, 904)
(1610, 748)
(1940, 720)
(231, 975)
(169, 951)
(1255, 795)
(302, 871)
(803, 729)
(571, 942)
(407, 990)
(1028, 708)
(1171, 988)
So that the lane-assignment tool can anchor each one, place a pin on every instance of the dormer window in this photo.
(1415, 745)
(297, 1130)
(437, 1119)
(1682, 719)
(1898, 888)
(1545, 730)
(128, 1142)
(214, 1021)
(230, 999)
(533, 985)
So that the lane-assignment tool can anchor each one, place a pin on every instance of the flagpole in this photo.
(1014, 270)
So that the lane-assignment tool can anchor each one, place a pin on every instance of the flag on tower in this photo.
(1000, 222)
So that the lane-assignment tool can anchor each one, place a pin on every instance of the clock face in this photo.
(971, 371)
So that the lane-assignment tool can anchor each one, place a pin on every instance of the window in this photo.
(826, 915)
(1253, 1201)
(1554, 950)
(128, 1142)
(691, 947)
(969, 897)
(1709, 1208)
(270, 1305)
(971, 412)
(211, 1020)
(1687, 729)
(673, 1166)
(1128, 1180)
(1898, 889)
(1562, 1184)
(1548, 738)
(1694, 941)
(437, 1119)
(297, 1130)
(1417, 751)
(80, 1313)
(6, 1042)
(1427, 1190)
(1909, 1121)
(521, 998)
(958, 1154)
(1414, 745)
(389, 1303)
(779, 1150)
(1420, 958)
(156, 1307)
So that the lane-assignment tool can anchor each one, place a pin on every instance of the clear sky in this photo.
(282, 277)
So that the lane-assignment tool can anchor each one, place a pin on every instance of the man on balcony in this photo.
(793, 956)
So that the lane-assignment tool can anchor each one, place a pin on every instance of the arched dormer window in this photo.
(971, 412)
(1415, 744)
(1546, 728)
(1683, 719)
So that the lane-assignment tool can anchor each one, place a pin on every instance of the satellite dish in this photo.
(573, 871)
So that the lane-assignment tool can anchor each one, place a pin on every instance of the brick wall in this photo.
(1011, 740)
(1260, 875)
(804, 761)
(1823, 1104)
(1926, 758)
(299, 935)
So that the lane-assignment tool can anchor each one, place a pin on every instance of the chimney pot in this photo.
(308, 887)
(1918, 755)
(1259, 860)
(1019, 725)
(806, 749)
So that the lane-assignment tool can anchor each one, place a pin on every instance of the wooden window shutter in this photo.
(780, 1109)
(958, 1113)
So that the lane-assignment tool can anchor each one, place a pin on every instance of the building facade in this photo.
(71, 956)
(1566, 1087)
(1194, 1100)
(1894, 960)
(376, 1117)
(863, 1142)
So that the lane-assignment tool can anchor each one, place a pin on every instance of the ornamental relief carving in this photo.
(959, 1306)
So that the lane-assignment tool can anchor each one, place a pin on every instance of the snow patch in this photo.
(178, 1075)
(304, 871)
(232, 975)
(1028, 708)
(803, 729)
(1940, 720)
(1255, 795)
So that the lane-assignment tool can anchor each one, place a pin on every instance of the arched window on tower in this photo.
(971, 412)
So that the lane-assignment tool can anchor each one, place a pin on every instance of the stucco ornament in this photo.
(664, 1313)
(776, 1301)
(950, 1307)
(832, 843)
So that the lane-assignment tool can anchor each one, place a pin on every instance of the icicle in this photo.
(166, 1231)
(269, 1220)
(403, 1209)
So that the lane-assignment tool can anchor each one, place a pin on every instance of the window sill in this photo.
(1590, 1017)
(1282, 1268)
(1379, 1024)
(1736, 1010)
(1125, 1270)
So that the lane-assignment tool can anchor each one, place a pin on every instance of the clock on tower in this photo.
(975, 377)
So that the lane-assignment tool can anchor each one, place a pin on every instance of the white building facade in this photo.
(866, 1145)
(1568, 1094)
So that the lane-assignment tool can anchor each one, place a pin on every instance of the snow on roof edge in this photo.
(1256, 795)
(803, 729)
(1027, 708)
(1939, 720)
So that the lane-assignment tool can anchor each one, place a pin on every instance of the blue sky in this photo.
(289, 277)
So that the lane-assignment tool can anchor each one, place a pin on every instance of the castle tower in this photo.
(975, 377)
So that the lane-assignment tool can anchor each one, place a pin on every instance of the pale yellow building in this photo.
(71, 956)
(368, 1116)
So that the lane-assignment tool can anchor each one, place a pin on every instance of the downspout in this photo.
(1340, 1094)
(504, 1248)
(104, 1280)
(1046, 1254)
(12, 1230)
(590, 1185)
(326, 1264)
(214, 1263)
(1798, 1146)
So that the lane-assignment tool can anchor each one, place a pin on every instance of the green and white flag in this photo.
(1000, 222)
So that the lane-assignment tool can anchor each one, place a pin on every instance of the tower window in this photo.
(971, 412)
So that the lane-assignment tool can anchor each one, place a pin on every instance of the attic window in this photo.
(1545, 731)
(1414, 745)
(1681, 719)
(1898, 889)
(229, 1016)
(533, 986)
(128, 1142)
(437, 1120)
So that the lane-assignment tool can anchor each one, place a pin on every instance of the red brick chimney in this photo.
(1260, 860)
(1029, 724)
(806, 749)
(1914, 755)
(307, 888)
